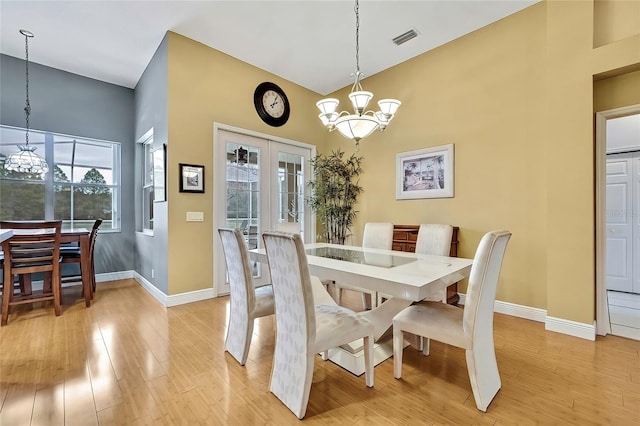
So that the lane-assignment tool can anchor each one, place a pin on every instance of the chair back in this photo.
(434, 239)
(236, 256)
(483, 280)
(377, 235)
(291, 227)
(34, 247)
(292, 292)
(93, 236)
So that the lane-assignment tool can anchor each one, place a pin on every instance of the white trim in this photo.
(559, 325)
(114, 276)
(174, 299)
(151, 289)
(572, 328)
(603, 325)
(189, 297)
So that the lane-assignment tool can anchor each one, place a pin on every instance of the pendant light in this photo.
(361, 123)
(26, 160)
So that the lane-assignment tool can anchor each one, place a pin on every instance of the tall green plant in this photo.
(334, 192)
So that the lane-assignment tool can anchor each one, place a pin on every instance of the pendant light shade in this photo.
(26, 161)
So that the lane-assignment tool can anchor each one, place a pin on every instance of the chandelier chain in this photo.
(27, 106)
(356, 8)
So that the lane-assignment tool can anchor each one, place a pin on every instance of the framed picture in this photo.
(425, 173)
(191, 178)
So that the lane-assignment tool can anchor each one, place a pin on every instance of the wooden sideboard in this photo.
(404, 239)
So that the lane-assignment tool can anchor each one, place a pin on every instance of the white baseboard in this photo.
(192, 296)
(572, 328)
(175, 299)
(114, 276)
(559, 325)
(151, 289)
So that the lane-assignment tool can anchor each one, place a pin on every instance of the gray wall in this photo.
(151, 103)
(67, 103)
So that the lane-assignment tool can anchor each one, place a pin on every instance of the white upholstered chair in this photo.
(303, 327)
(434, 239)
(470, 328)
(246, 302)
(378, 236)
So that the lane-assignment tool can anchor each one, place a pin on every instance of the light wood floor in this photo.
(128, 360)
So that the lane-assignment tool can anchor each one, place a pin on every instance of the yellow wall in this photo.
(517, 100)
(207, 86)
(616, 92)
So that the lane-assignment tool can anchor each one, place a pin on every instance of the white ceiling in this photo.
(311, 43)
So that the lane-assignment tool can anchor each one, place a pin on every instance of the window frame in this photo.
(147, 183)
(50, 184)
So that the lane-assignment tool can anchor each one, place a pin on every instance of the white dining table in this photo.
(402, 276)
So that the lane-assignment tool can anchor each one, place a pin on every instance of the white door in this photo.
(289, 185)
(259, 183)
(619, 224)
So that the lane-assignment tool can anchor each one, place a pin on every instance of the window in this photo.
(82, 186)
(147, 184)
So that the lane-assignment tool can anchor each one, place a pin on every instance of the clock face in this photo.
(271, 104)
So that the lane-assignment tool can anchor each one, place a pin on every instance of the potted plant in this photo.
(334, 192)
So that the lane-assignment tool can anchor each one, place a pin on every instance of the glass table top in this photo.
(362, 257)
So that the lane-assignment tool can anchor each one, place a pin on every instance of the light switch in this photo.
(195, 216)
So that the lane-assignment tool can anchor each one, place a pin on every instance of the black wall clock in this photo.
(271, 104)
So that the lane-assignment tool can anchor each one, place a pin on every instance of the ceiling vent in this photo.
(403, 38)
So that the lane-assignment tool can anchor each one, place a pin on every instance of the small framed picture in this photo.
(191, 178)
(425, 173)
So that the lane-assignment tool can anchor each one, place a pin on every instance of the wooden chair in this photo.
(470, 329)
(72, 254)
(304, 328)
(34, 247)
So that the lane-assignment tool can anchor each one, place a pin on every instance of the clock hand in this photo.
(274, 102)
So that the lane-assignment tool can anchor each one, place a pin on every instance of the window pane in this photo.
(92, 202)
(73, 159)
(20, 200)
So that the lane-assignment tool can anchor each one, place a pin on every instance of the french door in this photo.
(260, 184)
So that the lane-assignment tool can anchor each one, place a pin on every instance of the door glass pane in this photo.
(242, 187)
(291, 190)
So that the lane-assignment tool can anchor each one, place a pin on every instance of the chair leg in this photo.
(7, 293)
(338, 291)
(398, 346)
(56, 288)
(367, 301)
(483, 374)
(426, 345)
(368, 361)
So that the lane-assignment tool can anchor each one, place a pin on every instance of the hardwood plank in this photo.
(48, 407)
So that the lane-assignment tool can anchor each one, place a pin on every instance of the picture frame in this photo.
(425, 173)
(191, 178)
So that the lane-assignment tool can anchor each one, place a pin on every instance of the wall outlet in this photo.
(195, 216)
(153, 273)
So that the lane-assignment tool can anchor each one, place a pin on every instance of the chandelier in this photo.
(361, 123)
(26, 160)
